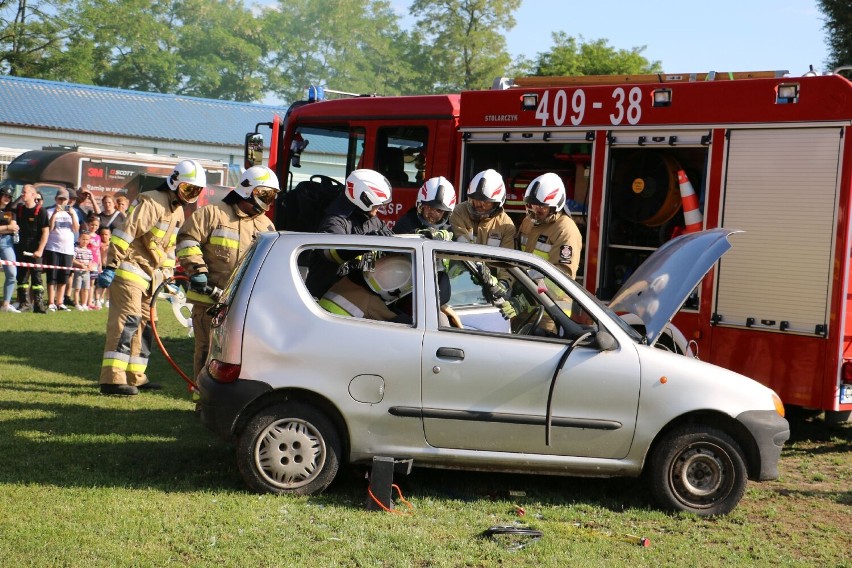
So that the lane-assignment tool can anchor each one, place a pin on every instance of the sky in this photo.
(685, 36)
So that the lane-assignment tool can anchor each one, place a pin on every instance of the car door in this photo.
(489, 391)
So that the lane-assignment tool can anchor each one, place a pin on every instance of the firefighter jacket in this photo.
(497, 231)
(213, 240)
(558, 241)
(143, 247)
(350, 299)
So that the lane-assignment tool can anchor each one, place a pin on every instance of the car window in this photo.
(484, 294)
(374, 285)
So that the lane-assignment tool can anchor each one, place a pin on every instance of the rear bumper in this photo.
(220, 405)
(770, 431)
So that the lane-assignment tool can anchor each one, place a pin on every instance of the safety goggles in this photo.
(188, 193)
(265, 195)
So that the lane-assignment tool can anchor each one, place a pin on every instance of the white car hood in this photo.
(661, 284)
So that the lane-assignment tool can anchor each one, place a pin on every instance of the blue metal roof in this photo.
(84, 108)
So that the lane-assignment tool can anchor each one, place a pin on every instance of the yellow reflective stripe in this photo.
(225, 242)
(189, 251)
(337, 304)
(188, 243)
(541, 254)
(115, 360)
(330, 306)
(137, 364)
(169, 263)
(226, 233)
(159, 230)
(130, 276)
(332, 255)
(121, 240)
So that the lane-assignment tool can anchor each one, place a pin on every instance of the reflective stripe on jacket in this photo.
(213, 241)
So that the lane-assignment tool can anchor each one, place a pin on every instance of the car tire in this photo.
(289, 448)
(697, 469)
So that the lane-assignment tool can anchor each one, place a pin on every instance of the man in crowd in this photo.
(34, 229)
(214, 240)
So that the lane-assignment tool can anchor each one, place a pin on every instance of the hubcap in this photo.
(290, 453)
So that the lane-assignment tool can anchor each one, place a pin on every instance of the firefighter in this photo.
(370, 295)
(436, 200)
(214, 240)
(481, 218)
(548, 230)
(353, 213)
(139, 257)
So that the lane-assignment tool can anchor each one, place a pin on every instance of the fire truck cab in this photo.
(644, 159)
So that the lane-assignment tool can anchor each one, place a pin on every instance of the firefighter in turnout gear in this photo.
(548, 230)
(481, 218)
(139, 257)
(214, 240)
(372, 295)
(34, 230)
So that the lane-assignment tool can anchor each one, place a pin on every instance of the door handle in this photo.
(450, 353)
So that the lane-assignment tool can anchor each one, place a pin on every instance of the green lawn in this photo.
(87, 480)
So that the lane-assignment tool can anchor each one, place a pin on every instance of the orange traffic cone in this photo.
(692, 217)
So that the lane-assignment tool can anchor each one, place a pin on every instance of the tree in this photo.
(572, 57)
(838, 25)
(203, 48)
(347, 46)
(32, 34)
(466, 48)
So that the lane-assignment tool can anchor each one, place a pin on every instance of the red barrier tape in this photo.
(35, 265)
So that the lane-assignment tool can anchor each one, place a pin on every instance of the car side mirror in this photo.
(253, 150)
(604, 340)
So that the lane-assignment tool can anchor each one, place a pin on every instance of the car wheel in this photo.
(289, 448)
(700, 470)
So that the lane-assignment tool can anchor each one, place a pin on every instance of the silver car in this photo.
(563, 386)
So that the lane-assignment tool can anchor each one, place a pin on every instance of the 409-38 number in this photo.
(626, 106)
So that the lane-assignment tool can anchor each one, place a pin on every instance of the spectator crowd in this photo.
(69, 237)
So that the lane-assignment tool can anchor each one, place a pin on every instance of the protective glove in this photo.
(508, 308)
(198, 282)
(493, 287)
(105, 278)
(436, 234)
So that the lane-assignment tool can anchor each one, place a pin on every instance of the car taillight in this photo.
(222, 372)
(846, 372)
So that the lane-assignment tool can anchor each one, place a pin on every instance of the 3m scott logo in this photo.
(95, 172)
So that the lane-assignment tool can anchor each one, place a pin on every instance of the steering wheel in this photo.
(531, 322)
(326, 179)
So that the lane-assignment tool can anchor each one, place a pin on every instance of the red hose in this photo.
(153, 319)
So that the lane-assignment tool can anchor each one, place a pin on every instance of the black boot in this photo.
(38, 302)
(23, 300)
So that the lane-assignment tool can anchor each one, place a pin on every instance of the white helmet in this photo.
(487, 186)
(259, 185)
(367, 189)
(390, 278)
(188, 180)
(437, 193)
(548, 190)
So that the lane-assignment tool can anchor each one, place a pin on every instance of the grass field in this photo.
(91, 481)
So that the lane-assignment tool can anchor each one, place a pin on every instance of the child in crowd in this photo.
(82, 278)
(93, 223)
(103, 293)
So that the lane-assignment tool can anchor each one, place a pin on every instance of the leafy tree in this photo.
(572, 57)
(347, 46)
(838, 25)
(31, 36)
(466, 49)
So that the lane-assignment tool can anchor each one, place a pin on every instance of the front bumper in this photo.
(769, 430)
(220, 405)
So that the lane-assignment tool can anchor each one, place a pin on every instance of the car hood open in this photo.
(661, 284)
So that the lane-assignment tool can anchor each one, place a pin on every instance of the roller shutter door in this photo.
(781, 189)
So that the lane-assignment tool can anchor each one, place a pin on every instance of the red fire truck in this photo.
(765, 153)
